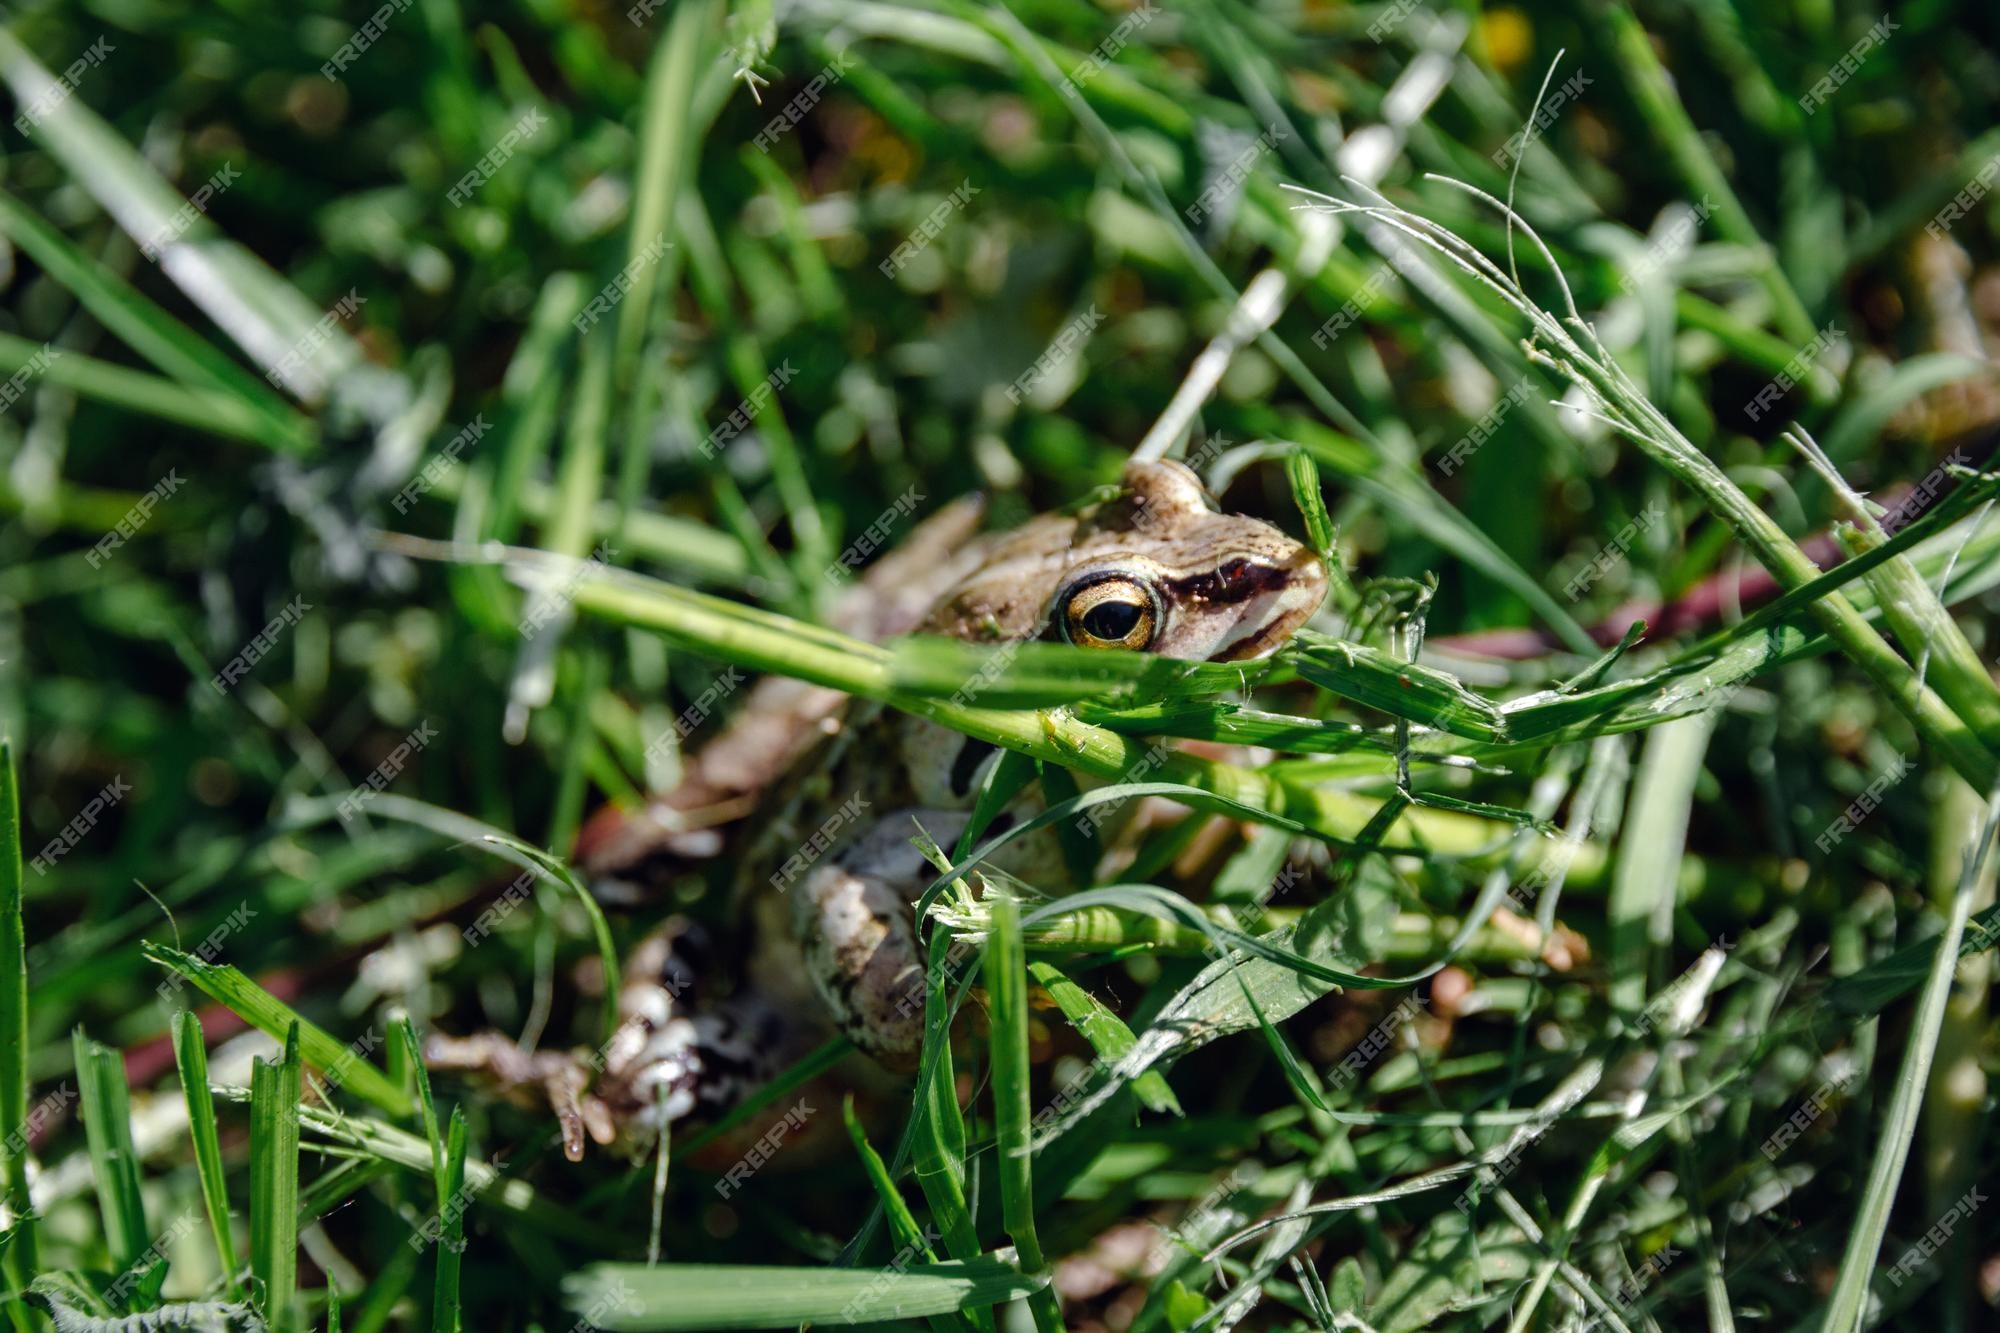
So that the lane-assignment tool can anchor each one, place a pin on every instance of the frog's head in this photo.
(1158, 570)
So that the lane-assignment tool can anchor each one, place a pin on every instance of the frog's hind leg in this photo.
(675, 1053)
(681, 1053)
(852, 916)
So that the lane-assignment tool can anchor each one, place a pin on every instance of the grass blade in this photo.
(910, 1239)
(17, 1264)
(344, 1065)
(1640, 908)
(252, 303)
(413, 1061)
(507, 847)
(1007, 994)
(902, 1224)
(1849, 1302)
(451, 1238)
(1303, 473)
(702, 1297)
(274, 1183)
(208, 410)
(191, 1057)
(1106, 1032)
(148, 330)
(107, 1118)
(936, 1136)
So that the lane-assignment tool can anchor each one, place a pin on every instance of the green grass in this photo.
(1494, 968)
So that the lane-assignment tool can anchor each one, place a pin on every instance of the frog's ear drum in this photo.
(1110, 610)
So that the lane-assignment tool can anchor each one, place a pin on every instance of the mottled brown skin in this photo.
(1234, 587)
(1224, 588)
(1175, 578)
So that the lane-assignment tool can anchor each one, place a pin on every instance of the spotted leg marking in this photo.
(853, 920)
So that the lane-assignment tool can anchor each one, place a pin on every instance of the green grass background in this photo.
(1727, 964)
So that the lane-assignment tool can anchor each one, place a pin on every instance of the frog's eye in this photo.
(1111, 611)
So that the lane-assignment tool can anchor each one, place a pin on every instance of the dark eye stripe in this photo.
(1235, 581)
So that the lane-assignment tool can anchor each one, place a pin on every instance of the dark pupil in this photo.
(1111, 620)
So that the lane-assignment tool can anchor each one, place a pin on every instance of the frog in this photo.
(839, 799)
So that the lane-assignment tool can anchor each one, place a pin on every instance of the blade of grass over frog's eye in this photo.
(274, 1184)
(471, 832)
(1032, 674)
(762, 641)
(344, 1065)
(632, 1298)
(17, 1263)
(105, 1103)
(191, 1057)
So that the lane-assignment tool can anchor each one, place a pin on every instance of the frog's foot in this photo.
(555, 1079)
(698, 1065)
(682, 1051)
